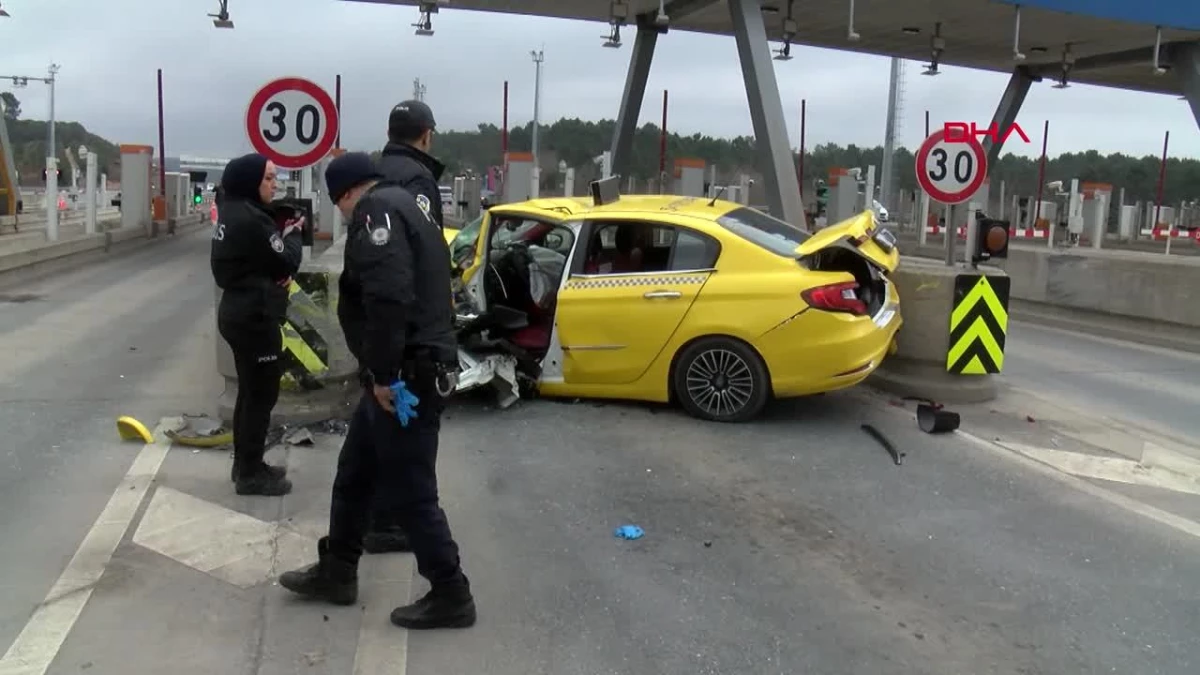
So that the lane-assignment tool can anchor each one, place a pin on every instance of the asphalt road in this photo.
(1151, 386)
(790, 545)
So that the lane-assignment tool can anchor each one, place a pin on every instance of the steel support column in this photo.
(631, 100)
(766, 112)
(1006, 111)
(1186, 64)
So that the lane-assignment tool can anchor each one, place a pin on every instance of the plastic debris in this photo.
(130, 429)
(897, 456)
(200, 431)
(629, 532)
(933, 420)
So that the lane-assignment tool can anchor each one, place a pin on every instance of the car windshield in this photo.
(768, 232)
(466, 237)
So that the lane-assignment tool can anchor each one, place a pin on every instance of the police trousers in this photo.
(394, 468)
(257, 355)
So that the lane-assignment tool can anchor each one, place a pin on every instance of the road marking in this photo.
(385, 583)
(1179, 523)
(231, 546)
(37, 645)
(1114, 469)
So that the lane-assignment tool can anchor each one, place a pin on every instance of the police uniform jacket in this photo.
(249, 259)
(416, 172)
(395, 299)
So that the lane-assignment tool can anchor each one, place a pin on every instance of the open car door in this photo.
(860, 234)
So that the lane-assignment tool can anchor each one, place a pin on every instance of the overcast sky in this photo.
(109, 50)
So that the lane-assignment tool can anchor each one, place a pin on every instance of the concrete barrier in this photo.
(944, 321)
(321, 377)
(36, 261)
(1129, 284)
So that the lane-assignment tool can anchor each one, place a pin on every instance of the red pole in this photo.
(662, 149)
(926, 124)
(1037, 207)
(1162, 179)
(504, 130)
(337, 103)
(162, 152)
(800, 168)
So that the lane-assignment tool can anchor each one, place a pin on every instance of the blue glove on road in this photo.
(405, 402)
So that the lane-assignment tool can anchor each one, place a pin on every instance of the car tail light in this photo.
(836, 298)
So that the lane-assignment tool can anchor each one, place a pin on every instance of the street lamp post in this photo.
(51, 155)
(536, 173)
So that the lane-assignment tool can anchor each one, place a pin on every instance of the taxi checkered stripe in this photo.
(612, 282)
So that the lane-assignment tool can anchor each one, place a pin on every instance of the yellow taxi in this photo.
(708, 303)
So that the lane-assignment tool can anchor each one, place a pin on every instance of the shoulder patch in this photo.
(425, 206)
(380, 236)
(276, 243)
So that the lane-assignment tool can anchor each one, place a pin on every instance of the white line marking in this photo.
(1158, 515)
(382, 647)
(231, 546)
(37, 645)
(1116, 469)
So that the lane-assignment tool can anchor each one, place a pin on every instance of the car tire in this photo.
(732, 368)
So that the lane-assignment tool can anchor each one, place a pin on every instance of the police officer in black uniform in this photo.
(405, 160)
(253, 261)
(395, 309)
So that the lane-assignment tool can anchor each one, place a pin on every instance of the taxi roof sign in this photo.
(606, 190)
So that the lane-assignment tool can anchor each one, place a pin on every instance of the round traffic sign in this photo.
(951, 171)
(293, 122)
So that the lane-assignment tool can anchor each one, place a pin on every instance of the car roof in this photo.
(572, 208)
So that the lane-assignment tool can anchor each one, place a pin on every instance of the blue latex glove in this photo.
(405, 402)
(628, 532)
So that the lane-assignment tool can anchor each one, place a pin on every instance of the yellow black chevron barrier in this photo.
(978, 324)
(306, 351)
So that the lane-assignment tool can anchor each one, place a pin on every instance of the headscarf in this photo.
(243, 176)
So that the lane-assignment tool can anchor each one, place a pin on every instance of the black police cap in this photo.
(410, 119)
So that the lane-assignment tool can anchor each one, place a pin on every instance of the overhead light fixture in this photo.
(851, 34)
(1037, 50)
(1159, 67)
(661, 19)
(910, 30)
(4, 14)
(1016, 52)
(790, 29)
(424, 24)
(618, 15)
(1068, 60)
(937, 45)
(221, 18)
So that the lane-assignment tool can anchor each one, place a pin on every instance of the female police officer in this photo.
(253, 262)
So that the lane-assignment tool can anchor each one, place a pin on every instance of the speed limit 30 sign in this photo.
(293, 122)
(951, 171)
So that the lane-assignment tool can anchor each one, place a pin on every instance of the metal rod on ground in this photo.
(662, 150)
(337, 104)
(1162, 179)
(1037, 204)
(162, 152)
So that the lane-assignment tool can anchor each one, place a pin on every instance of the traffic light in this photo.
(991, 239)
(197, 195)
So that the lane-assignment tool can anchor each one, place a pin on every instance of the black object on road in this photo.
(935, 420)
(897, 456)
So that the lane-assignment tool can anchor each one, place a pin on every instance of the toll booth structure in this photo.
(689, 177)
(518, 176)
(136, 186)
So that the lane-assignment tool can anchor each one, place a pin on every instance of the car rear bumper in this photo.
(822, 351)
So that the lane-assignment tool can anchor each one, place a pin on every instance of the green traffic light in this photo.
(198, 199)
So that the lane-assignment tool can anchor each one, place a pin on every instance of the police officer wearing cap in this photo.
(406, 160)
(395, 309)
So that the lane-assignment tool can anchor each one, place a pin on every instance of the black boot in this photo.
(265, 481)
(331, 580)
(388, 540)
(275, 471)
(448, 605)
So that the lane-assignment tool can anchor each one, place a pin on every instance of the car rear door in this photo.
(617, 309)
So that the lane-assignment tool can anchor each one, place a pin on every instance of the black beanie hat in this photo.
(347, 172)
(242, 176)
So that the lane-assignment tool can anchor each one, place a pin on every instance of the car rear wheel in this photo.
(720, 379)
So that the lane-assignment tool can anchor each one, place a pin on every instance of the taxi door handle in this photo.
(669, 295)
